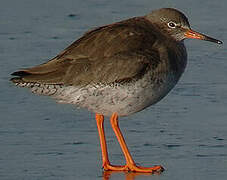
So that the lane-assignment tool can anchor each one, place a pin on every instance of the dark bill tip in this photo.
(207, 38)
(219, 42)
(196, 35)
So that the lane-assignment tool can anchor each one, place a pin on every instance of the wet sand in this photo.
(39, 139)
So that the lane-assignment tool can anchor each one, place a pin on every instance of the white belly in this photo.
(122, 99)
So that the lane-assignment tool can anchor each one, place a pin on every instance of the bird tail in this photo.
(47, 73)
(20, 75)
(32, 81)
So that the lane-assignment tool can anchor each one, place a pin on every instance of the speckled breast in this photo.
(124, 99)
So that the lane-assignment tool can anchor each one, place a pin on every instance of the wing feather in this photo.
(119, 52)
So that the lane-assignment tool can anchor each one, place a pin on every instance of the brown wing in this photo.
(113, 53)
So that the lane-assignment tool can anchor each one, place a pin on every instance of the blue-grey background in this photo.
(41, 140)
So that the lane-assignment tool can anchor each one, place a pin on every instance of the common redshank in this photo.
(117, 70)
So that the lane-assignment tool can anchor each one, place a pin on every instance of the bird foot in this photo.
(134, 168)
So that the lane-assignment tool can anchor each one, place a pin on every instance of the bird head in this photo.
(174, 23)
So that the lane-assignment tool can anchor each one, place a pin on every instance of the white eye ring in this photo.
(172, 24)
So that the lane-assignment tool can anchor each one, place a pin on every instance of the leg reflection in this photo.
(128, 175)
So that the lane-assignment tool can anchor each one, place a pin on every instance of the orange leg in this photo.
(130, 164)
(105, 159)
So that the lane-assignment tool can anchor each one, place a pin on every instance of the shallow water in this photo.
(39, 139)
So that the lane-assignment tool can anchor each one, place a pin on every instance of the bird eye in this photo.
(172, 24)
